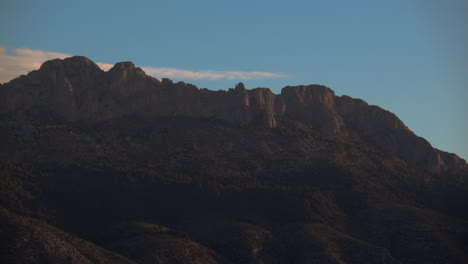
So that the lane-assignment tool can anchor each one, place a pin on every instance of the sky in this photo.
(409, 57)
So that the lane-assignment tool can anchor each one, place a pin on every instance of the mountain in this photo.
(148, 171)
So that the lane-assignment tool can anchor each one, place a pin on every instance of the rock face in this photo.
(315, 104)
(77, 89)
(119, 167)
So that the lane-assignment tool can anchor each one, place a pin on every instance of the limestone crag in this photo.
(77, 89)
(314, 104)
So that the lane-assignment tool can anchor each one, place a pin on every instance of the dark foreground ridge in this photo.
(120, 167)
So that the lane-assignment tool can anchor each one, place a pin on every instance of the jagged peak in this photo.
(309, 94)
(74, 62)
(79, 59)
(125, 69)
(239, 87)
(167, 82)
(311, 88)
(124, 65)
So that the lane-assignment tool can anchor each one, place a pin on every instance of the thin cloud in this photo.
(104, 66)
(23, 60)
(210, 74)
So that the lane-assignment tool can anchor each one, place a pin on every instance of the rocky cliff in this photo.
(77, 89)
(119, 167)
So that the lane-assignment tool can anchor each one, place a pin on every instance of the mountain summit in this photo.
(77, 89)
(120, 167)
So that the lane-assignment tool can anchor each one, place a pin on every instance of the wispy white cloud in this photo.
(23, 60)
(210, 74)
(105, 66)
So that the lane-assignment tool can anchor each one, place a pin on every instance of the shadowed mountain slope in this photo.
(163, 172)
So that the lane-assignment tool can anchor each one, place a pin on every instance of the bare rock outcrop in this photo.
(77, 89)
(386, 131)
(314, 104)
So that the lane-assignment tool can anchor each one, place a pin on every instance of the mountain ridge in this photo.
(77, 89)
(120, 166)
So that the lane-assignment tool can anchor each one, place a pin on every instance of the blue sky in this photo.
(409, 57)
